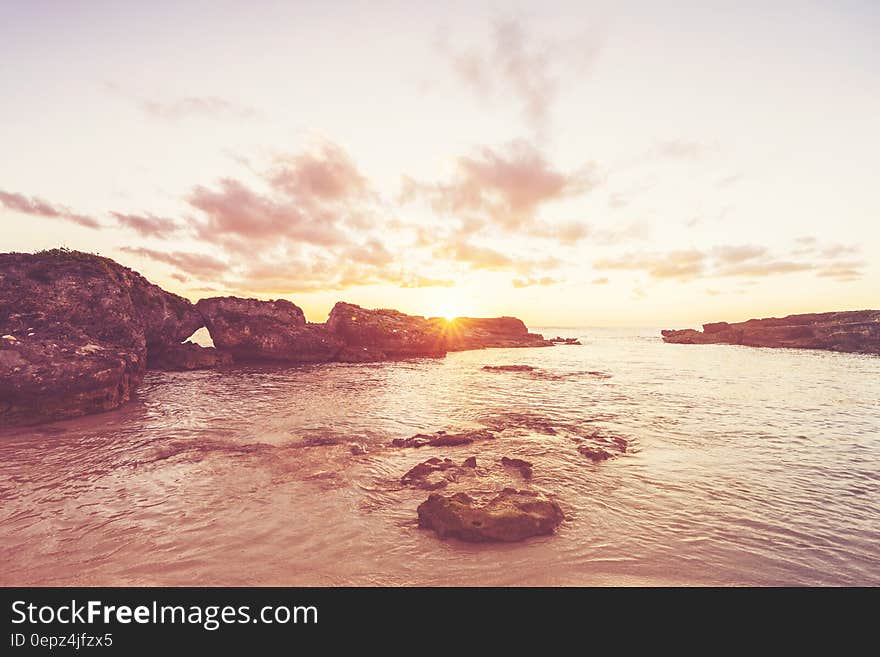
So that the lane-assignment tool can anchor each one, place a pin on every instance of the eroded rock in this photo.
(255, 330)
(512, 515)
(437, 473)
(524, 467)
(78, 331)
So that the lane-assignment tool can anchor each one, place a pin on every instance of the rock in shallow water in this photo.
(78, 330)
(436, 473)
(443, 439)
(188, 356)
(512, 515)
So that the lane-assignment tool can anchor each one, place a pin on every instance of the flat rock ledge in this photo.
(512, 515)
(856, 331)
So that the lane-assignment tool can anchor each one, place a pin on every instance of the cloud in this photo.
(195, 264)
(503, 186)
(372, 252)
(837, 250)
(842, 271)
(239, 217)
(530, 282)
(744, 261)
(38, 207)
(764, 267)
(683, 149)
(477, 257)
(311, 198)
(196, 106)
(329, 175)
(413, 281)
(516, 66)
(147, 225)
(566, 232)
(682, 264)
(733, 255)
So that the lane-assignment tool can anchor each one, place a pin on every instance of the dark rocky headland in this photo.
(856, 331)
(78, 331)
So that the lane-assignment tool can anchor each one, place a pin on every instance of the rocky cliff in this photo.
(851, 331)
(77, 332)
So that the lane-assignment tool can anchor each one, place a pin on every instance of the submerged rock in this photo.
(436, 473)
(561, 340)
(443, 439)
(595, 454)
(849, 331)
(509, 368)
(524, 467)
(78, 331)
(188, 356)
(512, 515)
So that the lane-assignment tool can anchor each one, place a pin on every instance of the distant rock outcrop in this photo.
(77, 333)
(464, 333)
(850, 331)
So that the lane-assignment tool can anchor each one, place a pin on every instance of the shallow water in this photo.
(746, 466)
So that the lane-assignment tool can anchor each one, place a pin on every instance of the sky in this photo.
(569, 163)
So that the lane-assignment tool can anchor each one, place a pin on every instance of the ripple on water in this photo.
(743, 466)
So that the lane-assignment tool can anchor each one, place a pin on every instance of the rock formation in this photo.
(512, 515)
(383, 334)
(463, 333)
(253, 330)
(77, 333)
(851, 331)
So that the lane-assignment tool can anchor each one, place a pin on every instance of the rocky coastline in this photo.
(78, 332)
(856, 331)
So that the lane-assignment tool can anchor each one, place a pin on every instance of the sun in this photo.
(447, 312)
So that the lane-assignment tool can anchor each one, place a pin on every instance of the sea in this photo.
(743, 466)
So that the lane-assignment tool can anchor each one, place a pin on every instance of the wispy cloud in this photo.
(684, 149)
(532, 282)
(38, 207)
(505, 186)
(147, 225)
(196, 106)
(195, 264)
(517, 65)
(186, 107)
(681, 264)
(748, 261)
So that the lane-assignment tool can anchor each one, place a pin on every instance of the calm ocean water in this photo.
(748, 466)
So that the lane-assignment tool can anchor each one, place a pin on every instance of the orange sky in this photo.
(570, 163)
